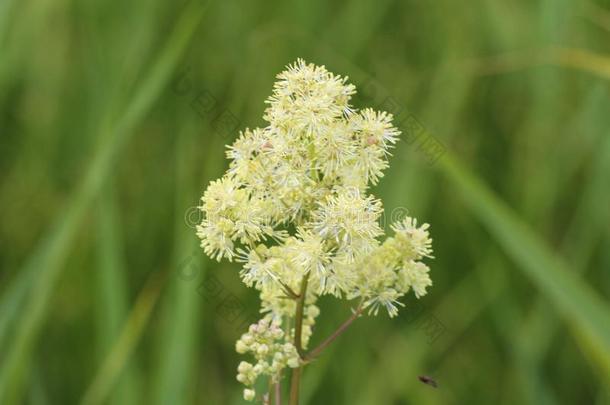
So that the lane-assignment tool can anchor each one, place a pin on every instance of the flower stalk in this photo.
(314, 353)
(298, 326)
(295, 208)
(298, 335)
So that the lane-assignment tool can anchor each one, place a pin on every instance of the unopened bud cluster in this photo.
(265, 341)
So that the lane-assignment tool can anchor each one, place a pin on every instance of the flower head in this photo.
(294, 206)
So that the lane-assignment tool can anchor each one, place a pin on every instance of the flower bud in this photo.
(249, 394)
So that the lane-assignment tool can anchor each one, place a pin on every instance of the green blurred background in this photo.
(113, 117)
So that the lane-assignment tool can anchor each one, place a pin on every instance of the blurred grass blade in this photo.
(103, 382)
(586, 313)
(46, 260)
(111, 291)
(181, 317)
(6, 12)
(10, 303)
(579, 242)
(582, 59)
(178, 343)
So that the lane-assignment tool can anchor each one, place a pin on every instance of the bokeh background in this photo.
(113, 119)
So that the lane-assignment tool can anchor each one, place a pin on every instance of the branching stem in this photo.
(316, 352)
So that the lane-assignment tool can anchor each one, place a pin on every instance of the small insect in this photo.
(428, 380)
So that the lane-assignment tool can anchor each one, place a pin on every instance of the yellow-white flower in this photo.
(295, 204)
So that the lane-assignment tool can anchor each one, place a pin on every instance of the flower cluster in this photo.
(294, 207)
(264, 340)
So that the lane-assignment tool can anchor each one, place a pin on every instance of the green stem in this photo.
(278, 393)
(295, 381)
(270, 394)
(298, 326)
(316, 352)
